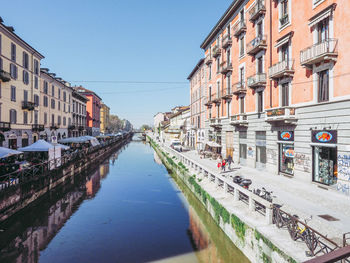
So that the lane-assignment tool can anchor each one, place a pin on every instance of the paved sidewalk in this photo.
(296, 197)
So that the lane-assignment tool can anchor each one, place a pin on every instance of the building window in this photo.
(241, 104)
(13, 93)
(46, 101)
(285, 94)
(25, 95)
(260, 102)
(13, 116)
(36, 117)
(64, 107)
(59, 93)
(260, 65)
(59, 120)
(13, 52)
(210, 72)
(0, 44)
(46, 87)
(36, 82)
(52, 119)
(59, 105)
(228, 57)
(325, 165)
(53, 91)
(25, 117)
(25, 60)
(323, 85)
(45, 118)
(25, 77)
(241, 76)
(36, 66)
(64, 96)
(241, 45)
(64, 121)
(323, 30)
(286, 163)
(284, 17)
(52, 103)
(218, 65)
(13, 71)
(36, 100)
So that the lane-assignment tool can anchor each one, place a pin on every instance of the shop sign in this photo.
(287, 136)
(324, 136)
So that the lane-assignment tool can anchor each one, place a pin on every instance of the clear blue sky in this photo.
(120, 40)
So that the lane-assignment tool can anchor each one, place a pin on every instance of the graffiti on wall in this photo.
(303, 161)
(271, 154)
(343, 184)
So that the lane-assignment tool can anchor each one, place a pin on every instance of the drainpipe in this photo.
(270, 51)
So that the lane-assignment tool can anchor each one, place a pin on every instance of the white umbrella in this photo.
(63, 147)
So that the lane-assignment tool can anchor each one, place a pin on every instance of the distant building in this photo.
(93, 107)
(55, 110)
(104, 118)
(78, 127)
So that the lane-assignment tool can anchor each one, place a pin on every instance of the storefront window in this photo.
(325, 165)
(287, 158)
(243, 151)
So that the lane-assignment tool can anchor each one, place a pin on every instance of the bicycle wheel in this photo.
(293, 229)
(311, 240)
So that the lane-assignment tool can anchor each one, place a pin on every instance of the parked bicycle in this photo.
(297, 230)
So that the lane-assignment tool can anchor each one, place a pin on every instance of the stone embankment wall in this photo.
(19, 196)
(255, 245)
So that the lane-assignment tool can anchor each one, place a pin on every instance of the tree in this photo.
(145, 127)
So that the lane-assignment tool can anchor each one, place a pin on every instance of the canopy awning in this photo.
(63, 147)
(38, 146)
(213, 144)
(6, 152)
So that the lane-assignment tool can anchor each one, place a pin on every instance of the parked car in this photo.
(176, 145)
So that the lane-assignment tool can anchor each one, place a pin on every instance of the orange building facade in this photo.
(277, 99)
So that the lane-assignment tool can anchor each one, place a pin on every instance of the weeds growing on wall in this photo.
(239, 226)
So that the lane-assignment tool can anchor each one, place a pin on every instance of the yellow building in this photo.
(56, 110)
(19, 90)
(104, 118)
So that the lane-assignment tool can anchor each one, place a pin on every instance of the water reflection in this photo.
(131, 213)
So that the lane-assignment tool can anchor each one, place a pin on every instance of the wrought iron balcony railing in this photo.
(240, 27)
(5, 76)
(5, 126)
(239, 88)
(28, 105)
(38, 127)
(257, 10)
(256, 45)
(257, 80)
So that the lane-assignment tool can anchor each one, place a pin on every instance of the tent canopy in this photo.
(63, 147)
(38, 146)
(6, 152)
(213, 144)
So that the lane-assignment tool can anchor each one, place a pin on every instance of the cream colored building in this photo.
(78, 127)
(104, 118)
(19, 90)
(56, 105)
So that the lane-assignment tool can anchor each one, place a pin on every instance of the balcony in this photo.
(256, 45)
(208, 59)
(215, 122)
(216, 51)
(71, 127)
(282, 69)
(216, 98)
(54, 126)
(226, 94)
(28, 105)
(320, 52)
(281, 114)
(239, 28)
(227, 41)
(81, 127)
(239, 88)
(38, 127)
(257, 80)
(5, 76)
(226, 67)
(257, 10)
(5, 126)
(239, 120)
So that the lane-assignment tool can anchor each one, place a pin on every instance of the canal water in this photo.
(128, 209)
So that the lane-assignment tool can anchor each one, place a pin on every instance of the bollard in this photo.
(251, 203)
(235, 195)
(268, 214)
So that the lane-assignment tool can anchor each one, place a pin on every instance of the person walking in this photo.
(229, 161)
(223, 165)
(219, 164)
